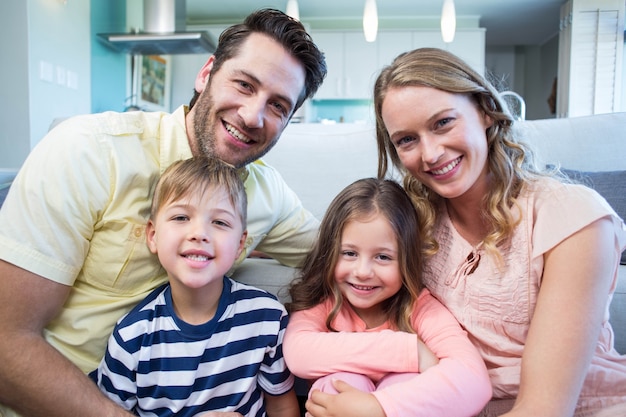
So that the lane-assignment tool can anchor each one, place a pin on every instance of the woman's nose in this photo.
(432, 151)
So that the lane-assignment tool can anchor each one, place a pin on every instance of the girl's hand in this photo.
(349, 402)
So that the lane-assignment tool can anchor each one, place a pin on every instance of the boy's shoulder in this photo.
(241, 291)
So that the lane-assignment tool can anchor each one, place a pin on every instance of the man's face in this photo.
(245, 105)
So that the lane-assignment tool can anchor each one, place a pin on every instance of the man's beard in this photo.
(205, 132)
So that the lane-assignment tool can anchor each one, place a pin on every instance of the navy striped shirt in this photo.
(158, 365)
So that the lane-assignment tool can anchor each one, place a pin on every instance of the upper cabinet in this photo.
(353, 63)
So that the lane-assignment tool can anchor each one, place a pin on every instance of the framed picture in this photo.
(152, 82)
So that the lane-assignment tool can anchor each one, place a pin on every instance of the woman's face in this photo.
(440, 138)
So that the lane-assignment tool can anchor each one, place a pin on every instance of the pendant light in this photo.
(292, 9)
(448, 21)
(370, 20)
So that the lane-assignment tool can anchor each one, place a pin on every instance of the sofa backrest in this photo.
(587, 143)
(318, 160)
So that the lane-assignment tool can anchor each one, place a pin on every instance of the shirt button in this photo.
(137, 232)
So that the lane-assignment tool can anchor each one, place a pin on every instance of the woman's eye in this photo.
(404, 140)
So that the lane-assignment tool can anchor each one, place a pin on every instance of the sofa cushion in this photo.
(609, 184)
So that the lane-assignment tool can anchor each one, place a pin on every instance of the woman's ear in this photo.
(203, 75)
(151, 239)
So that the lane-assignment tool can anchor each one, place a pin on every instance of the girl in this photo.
(363, 277)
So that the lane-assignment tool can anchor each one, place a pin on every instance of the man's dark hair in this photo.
(285, 30)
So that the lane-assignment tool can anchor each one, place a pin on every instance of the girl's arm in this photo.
(311, 351)
(457, 386)
(566, 322)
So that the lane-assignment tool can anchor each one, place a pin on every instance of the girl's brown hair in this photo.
(361, 200)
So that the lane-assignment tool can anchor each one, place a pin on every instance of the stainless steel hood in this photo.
(163, 34)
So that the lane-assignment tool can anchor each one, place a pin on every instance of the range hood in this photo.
(163, 34)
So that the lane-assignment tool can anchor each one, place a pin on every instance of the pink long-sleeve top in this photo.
(457, 386)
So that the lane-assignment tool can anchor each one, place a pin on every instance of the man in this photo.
(73, 257)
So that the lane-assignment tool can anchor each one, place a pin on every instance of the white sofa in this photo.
(318, 160)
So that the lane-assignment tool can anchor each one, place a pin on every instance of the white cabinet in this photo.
(353, 64)
(468, 44)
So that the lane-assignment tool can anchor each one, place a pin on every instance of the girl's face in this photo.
(367, 270)
(440, 138)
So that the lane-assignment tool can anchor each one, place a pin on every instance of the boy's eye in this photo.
(180, 218)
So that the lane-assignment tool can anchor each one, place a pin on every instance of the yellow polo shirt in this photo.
(77, 210)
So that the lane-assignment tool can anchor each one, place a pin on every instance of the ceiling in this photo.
(507, 22)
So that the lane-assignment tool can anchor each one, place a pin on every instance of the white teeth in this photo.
(362, 288)
(447, 168)
(237, 133)
(197, 257)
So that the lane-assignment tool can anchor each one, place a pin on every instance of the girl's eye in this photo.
(349, 253)
(384, 257)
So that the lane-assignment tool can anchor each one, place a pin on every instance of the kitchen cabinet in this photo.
(353, 64)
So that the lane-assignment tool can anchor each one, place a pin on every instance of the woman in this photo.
(525, 262)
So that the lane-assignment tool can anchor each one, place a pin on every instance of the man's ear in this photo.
(151, 240)
(203, 75)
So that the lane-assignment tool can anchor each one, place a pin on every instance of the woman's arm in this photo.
(566, 323)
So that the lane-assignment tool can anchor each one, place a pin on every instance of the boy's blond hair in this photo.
(196, 175)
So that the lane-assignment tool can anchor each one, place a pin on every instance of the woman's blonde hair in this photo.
(360, 201)
(510, 162)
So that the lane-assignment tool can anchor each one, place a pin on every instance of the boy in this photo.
(201, 342)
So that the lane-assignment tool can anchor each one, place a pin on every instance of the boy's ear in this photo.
(242, 242)
(151, 236)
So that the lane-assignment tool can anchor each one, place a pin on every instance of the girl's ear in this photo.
(151, 239)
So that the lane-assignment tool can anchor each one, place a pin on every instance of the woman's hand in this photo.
(349, 402)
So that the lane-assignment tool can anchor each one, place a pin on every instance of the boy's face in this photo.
(197, 238)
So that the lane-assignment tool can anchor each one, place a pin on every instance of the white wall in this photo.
(35, 32)
(527, 70)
